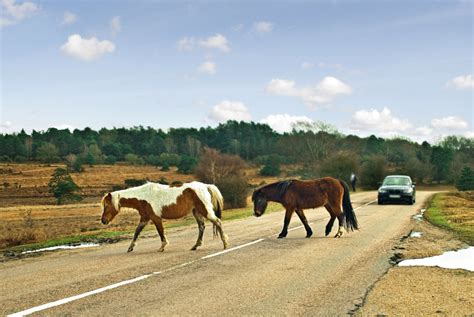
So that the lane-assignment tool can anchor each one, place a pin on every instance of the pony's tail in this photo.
(349, 220)
(217, 205)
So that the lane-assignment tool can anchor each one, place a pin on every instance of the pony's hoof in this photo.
(281, 236)
(194, 248)
(129, 250)
(308, 235)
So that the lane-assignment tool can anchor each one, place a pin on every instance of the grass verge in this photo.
(453, 211)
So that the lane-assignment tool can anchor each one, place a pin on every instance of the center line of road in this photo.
(142, 277)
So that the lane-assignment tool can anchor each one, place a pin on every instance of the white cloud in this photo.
(282, 123)
(13, 13)
(230, 110)
(217, 41)
(5, 124)
(461, 82)
(86, 49)
(69, 18)
(449, 123)
(322, 93)
(307, 65)
(379, 121)
(115, 25)
(208, 68)
(263, 27)
(423, 131)
(186, 44)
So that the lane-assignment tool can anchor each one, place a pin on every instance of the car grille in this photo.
(395, 191)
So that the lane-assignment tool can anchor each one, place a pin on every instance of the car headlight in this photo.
(408, 191)
(382, 191)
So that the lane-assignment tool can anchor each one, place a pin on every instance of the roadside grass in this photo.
(453, 211)
(109, 236)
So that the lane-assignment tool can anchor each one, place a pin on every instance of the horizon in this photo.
(366, 68)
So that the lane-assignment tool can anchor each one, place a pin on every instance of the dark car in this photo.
(397, 188)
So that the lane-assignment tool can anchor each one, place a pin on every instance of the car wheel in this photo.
(412, 201)
(379, 202)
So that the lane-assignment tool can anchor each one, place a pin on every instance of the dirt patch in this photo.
(422, 291)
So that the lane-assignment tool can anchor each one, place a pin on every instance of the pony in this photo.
(296, 195)
(155, 202)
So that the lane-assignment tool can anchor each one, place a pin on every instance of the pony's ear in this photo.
(109, 195)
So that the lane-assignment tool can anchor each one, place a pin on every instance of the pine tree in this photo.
(466, 181)
(63, 187)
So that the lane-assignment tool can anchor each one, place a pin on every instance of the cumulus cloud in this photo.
(69, 18)
(115, 25)
(379, 121)
(5, 124)
(186, 44)
(86, 49)
(423, 131)
(13, 12)
(321, 93)
(449, 123)
(217, 41)
(208, 68)
(230, 110)
(461, 82)
(282, 123)
(263, 27)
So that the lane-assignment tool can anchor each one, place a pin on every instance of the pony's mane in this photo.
(281, 187)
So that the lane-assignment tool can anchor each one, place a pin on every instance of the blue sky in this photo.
(365, 67)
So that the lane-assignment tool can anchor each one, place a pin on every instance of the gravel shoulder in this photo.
(422, 291)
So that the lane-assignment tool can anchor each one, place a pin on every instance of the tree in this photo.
(63, 187)
(47, 153)
(373, 171)
(441, 158)
(466, 181)
(226, 172)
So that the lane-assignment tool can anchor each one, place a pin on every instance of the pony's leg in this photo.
(286, 222)
(331, 221)
(303, 219)
(139, 229)
(217, 222)
(201, 226)
(159, 227)
(340, 218)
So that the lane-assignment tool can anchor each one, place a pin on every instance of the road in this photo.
(260, 275)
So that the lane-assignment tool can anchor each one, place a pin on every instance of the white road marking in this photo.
(142, 277)
(232, 249)
(372, 201)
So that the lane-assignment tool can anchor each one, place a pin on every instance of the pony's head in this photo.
(259, 202)
(109, 211)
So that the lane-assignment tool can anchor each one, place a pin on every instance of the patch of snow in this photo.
(62, 247)
(415, 234)
(461, 259)
(418, 217)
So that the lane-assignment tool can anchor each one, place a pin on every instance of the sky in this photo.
(389, 68)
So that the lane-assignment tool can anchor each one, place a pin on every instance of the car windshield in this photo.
(401, 181)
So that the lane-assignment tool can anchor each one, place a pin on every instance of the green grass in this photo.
(448, 211)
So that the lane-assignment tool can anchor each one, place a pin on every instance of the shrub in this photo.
(187, 164)
(63, 187)
(234, 189)
(466, 180)
(110, 159)
(270, 170)
(226, 172)
(132, 182)
(133, 159)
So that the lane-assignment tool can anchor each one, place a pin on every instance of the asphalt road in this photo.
(260, 275)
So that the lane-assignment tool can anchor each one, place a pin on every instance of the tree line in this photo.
(317, 150)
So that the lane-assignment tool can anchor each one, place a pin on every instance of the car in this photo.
(397, 188)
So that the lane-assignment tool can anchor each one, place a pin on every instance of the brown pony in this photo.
(156, 202)
(296, 195)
